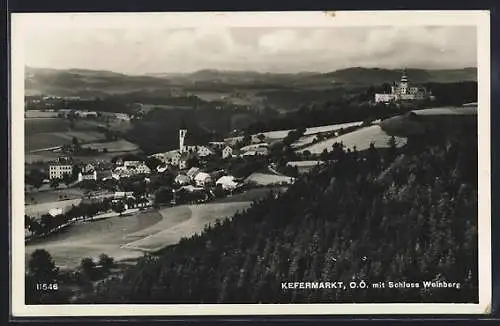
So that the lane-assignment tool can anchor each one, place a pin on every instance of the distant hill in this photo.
(379, 76)
(93, 82)
(83, 82)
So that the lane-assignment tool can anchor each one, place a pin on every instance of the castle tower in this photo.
(403, 85)
(182, 137)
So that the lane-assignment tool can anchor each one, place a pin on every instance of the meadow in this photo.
(264, 179)
(41, 133)
(91, 239)
(112, 147)
(361, 139)
(182, 222)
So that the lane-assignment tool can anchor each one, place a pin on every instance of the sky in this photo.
(184, 50)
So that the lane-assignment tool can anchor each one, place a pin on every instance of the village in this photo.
(191, 174)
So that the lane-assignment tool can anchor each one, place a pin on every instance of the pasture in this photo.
(182, 222)
(50, 195)
(115, 146)
(50, 132)
(281, 134)
(264, 179)
(40, 114)
(91, 239)
(360, 139)
(37, 210)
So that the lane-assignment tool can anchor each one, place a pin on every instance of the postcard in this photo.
(250, 163)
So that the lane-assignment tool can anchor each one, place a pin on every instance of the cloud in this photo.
(262, 49)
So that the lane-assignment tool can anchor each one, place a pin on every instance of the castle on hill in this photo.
(402, 91)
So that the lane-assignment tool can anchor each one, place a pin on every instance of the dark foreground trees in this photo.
(395, 216)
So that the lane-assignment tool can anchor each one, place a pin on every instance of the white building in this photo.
(162, 168)
(217, 144)
(87, 176)
(227, 152)
(403, 92)
(142, 169)
(57, 171)
(202, 179)
(88, 168)
(204, 151)
(123, 194)
(227, 182)
(55, 212)
(122, 116)
(133, 164)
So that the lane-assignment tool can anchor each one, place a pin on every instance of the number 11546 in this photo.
(47, 287)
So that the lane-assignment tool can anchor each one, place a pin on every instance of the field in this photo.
(43, 133)
(113, 147)
(304, 166)
(264, 179)
(281, 134)
(304, 140)
(148, 107)
(50, 195)
(249, 195)
(466, 110)
(179, 222)
(40, 114)
(91, 239)
(360, 138)
(127, 237)
(245, 98)
(36, 210)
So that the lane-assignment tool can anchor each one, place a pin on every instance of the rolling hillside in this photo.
(86, 82)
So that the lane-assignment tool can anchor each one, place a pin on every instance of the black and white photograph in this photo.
(250, 163)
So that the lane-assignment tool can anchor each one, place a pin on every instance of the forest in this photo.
(406, 214)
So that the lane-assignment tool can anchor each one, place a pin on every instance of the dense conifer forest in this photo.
(400, 215)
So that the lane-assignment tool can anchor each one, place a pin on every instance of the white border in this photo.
(21, 22)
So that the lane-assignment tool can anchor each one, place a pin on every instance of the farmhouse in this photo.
(123, 194)
(55, 212)
(227, 182)
(57, 171)
(261, 151)
(204, 151)
(217, 144)
(142, 169)
(227, 152)
(87, 175)
(202, 179)
(131, 163)
(172, 157)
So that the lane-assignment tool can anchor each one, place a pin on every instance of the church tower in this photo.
(403, 85)
(182, 137)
